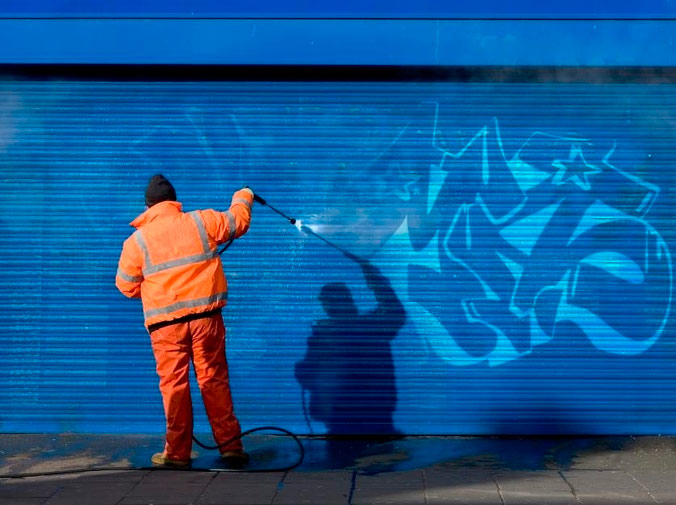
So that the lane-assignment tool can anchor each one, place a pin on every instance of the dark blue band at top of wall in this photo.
(345, 9)
(338, 42)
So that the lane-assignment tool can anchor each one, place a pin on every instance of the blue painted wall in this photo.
(378, 9)
(338, 42)
(525, 32)
(312, 42)
(527, 230)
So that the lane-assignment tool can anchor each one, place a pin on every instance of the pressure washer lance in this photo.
(262, 201)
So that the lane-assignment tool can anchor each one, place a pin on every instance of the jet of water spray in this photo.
(309, 231)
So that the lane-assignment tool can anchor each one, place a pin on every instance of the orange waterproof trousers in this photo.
(201, 341)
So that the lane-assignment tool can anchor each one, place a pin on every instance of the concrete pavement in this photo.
(414, 470)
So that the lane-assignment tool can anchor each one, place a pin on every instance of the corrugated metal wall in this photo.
(525, 229)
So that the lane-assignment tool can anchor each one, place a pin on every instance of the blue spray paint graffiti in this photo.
(547, 236)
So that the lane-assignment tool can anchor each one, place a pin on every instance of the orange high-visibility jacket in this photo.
(171, 261)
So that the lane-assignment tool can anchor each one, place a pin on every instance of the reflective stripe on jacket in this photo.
(171, 261)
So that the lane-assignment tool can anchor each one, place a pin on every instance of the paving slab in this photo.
(108, 489)
(467, 486)
(534, 488)
(327, 488)
(34, 487)
(411, 471)
(604, 487)
(659, 484)
(390, 488)
(21, 501)
(107, 494)
(241, 489)
(169, 487)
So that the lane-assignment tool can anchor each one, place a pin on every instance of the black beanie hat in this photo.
(159, 190)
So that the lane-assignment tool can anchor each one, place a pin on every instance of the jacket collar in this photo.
(162, 209)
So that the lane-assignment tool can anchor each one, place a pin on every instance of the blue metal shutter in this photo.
(526, 230)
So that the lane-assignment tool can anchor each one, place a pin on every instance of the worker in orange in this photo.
(171, 263)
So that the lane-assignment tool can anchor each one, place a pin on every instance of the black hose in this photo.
(301, 449)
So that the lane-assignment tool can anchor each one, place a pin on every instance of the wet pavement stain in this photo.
(367, 456)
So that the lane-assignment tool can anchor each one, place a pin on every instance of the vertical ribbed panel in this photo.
(518, 239)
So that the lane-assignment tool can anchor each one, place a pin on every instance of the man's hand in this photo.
(257, 198)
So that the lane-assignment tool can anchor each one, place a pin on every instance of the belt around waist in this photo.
(184, 319)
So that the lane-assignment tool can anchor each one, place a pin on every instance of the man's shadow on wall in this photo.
(348, 368)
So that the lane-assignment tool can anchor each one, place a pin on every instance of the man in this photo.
(171, 263)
